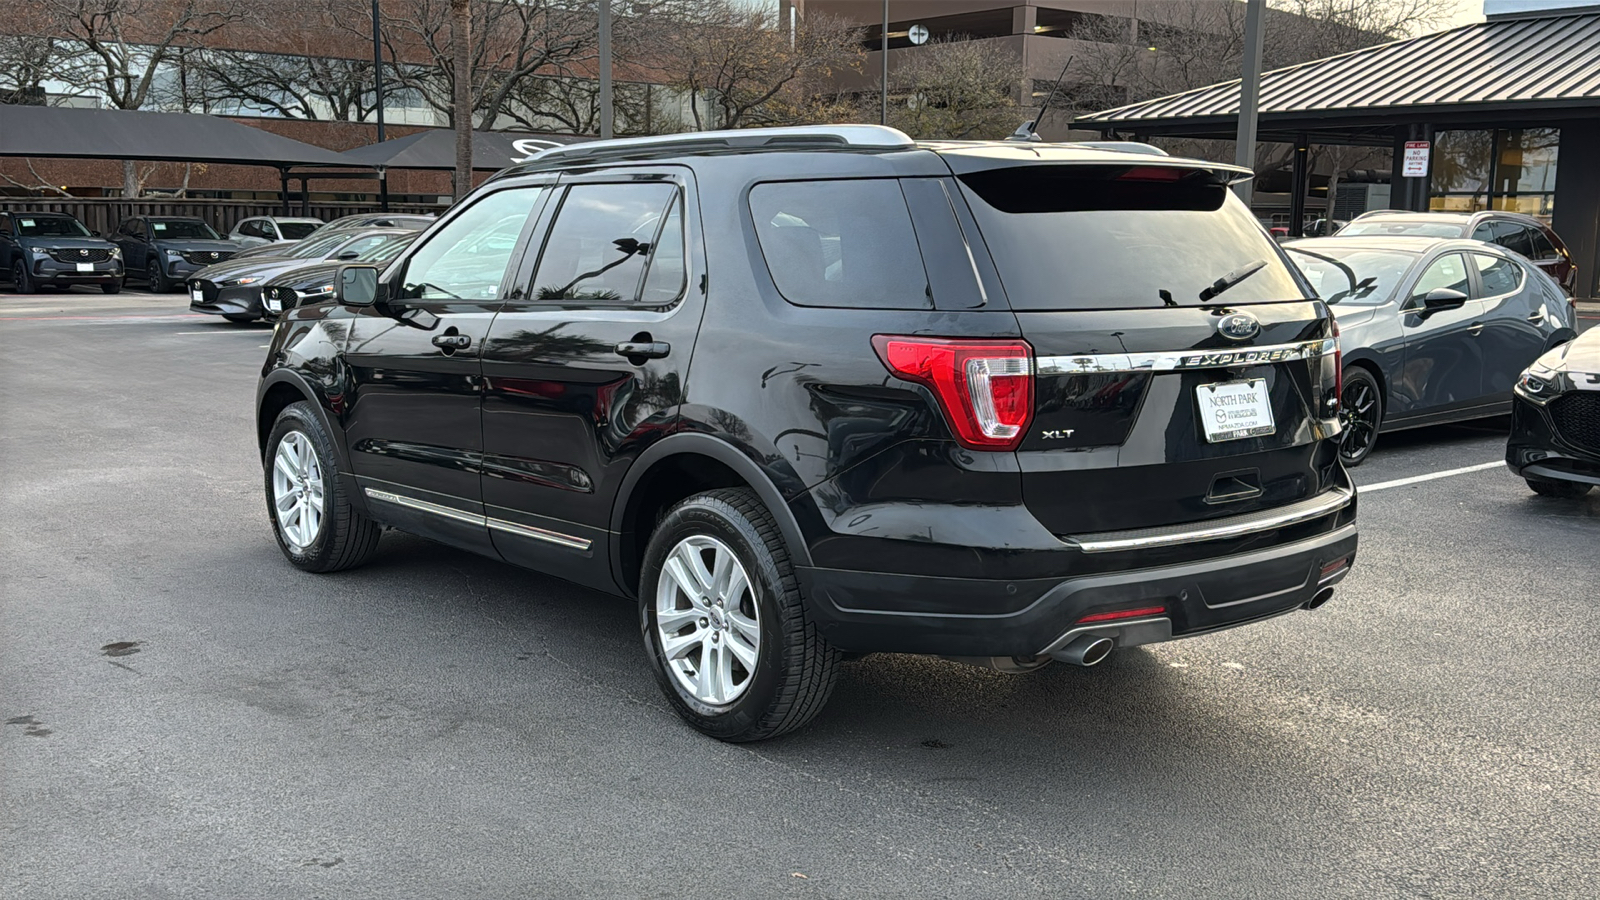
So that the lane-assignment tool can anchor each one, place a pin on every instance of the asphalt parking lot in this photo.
(187, 716)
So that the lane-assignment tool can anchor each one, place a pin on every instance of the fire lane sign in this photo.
(1415, 163)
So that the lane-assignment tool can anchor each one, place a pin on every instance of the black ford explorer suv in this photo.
(55, 250)
(822, 391)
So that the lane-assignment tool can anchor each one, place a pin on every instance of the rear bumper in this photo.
(855, 609)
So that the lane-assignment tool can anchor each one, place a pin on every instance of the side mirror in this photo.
(356, 286)
(1443, 298)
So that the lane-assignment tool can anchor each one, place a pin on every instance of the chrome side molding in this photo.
(1216, 529)
(1102, 363)
(527, 531)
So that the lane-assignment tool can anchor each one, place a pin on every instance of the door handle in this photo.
(450, 343)
(1475, 329)
(635, 350)
(1537, 318)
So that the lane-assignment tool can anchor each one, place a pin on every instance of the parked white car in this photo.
(271, 229)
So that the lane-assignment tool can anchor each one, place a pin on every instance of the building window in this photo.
(988, 23)
(1510, 169)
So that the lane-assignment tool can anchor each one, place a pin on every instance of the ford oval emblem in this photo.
(1238, 327)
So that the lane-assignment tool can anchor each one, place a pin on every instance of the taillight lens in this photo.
(985, 388)
(1331, 374)
(1338, 363)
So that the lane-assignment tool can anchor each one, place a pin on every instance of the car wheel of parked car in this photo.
(158, 281)
(114, 287)
(725, 624)
(317, 528)
(239, 317)
(20, 282)
(1360, 414)
(1561, 490)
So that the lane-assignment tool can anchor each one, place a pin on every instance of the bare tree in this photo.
(295, 87)
(739, 69)
(26, 61)
(127, 42)
(959, 89)
(461, 105)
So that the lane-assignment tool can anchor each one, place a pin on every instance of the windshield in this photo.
(1351, 275)
(316, 248)
(1413, 227)
(50, 226)
(1121, 237)
(294, 231)
(182, 228)
(387, 250)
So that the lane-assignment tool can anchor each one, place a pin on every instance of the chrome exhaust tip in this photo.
(1322, 596)
(1085, 650)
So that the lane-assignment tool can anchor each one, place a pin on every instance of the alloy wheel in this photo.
(297, 490)
(707, 621)
(1358, 414)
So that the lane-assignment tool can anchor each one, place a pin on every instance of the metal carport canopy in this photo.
(67, 132)
(1537, 68)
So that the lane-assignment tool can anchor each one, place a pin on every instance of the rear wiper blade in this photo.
(1231, 279)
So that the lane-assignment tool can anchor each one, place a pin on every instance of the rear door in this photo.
(1516, 328)
(1182, 374)
(587, 363)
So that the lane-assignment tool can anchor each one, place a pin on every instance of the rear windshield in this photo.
(182, 228)
(1121, 237)
(1351, 275)
(49, 226)
(294, 231)
(1413, 227)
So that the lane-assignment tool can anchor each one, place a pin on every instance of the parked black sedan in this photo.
(1555, 420)
(232, 289)
(1432, 330)
(55, 250)
(313, 282)
(166, 250)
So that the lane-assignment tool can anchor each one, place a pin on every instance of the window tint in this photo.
(1498, 274)
(602, 237)
(5, 225)
(1514, 237)
(50, 226)
(294, 231)
(466, 260)
(1447, 271)
(1351, 276)
(840, 243)
(664, 282)
(1542, 248)
(1484, 232)
(1121, 237)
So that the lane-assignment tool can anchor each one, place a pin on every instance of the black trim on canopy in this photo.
(72, 133)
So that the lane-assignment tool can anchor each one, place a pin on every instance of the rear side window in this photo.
(1542, 248)
(1122, 237)
(294, 231)
(1498, 274)
(1514, 237)
(603, 236)
(840, 244)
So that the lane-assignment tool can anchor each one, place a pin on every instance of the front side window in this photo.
(840, 244)
(1497, 274)
(602, 239)
(1447, 271)
(467, 258)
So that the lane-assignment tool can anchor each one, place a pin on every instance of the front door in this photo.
(1516, 328)
(412, 424)
(588, 367)
(1443, 368)
(131, 238)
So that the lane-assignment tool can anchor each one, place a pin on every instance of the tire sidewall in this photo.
(158, 281)
(295, 418)
(20, 279)
(717, 519)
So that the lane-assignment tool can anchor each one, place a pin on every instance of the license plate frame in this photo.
(85, 267)
(1231, 420)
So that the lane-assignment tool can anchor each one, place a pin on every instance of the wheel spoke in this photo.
(672, 621)
(746, 628)
(715, 656)
(725, 686)
(745, 652)
(705, 683)
(283, 462)
(684, 582)
(678, 646)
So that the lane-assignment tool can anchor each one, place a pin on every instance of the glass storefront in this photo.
(1510, 169)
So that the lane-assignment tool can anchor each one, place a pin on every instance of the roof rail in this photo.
(1125, 147)
(858, 137)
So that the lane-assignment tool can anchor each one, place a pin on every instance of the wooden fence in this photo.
(104, 215)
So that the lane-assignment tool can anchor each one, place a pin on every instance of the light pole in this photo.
(883, 50)
(605, 69)
(377, 82)
(1244, 152)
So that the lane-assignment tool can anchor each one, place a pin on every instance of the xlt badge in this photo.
(1058, 434)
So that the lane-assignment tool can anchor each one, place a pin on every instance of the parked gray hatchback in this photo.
(1432, 330)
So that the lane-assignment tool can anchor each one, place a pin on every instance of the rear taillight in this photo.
(985, 388)
(1329, 367)
(1338, 364)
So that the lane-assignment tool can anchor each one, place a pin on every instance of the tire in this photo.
(114, 287)
(794, 668)
(239, 317)
(342, 538)
(21, 281)
(158, 281)
(1560, 490)
(1360, 414)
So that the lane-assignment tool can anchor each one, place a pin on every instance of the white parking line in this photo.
(1402, 482)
